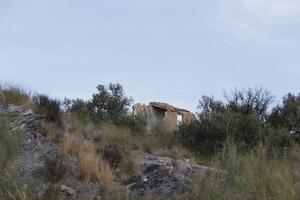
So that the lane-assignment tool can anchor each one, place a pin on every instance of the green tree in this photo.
(110, 103)
(288, 115)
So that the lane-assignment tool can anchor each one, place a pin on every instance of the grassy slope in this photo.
(255, 175)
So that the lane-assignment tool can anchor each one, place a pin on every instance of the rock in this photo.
(165, 175)
(43, 190)
(15, 109)
(35, 149)
(28, 112)
(68, 190)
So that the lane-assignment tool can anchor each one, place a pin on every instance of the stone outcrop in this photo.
(35, 150)
(163, 113)
(165, 175)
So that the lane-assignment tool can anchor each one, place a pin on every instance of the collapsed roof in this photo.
(167, 107)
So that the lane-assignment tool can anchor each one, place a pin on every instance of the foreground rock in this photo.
(164, 175)
(35, 151)
(38, 164)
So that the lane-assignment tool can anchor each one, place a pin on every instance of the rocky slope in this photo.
(39, 165)
(165, 175)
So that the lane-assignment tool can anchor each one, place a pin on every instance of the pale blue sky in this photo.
(162, 50)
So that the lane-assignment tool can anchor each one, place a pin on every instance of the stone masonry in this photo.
(162, 113)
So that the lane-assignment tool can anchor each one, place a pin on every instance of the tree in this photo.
(242, 119)
(288, 115)
(250, 101)
(110, 103)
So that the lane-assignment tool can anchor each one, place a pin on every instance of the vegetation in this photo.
(109, 104)
(288, 115)
(249, 176)
(256, 146)
(49, 108)
(243, 118)
(17, 96)
(8, 143)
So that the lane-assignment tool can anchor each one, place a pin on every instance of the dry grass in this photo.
(69, 145)
(112, 134)
(93, 167)
(17, 96)
(252, 176)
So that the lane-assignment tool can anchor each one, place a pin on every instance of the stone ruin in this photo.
(162, 113)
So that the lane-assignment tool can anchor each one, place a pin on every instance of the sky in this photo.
(172, 51)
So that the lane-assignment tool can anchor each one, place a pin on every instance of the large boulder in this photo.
(165, 175)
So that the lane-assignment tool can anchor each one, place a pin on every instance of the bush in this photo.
(277, 139)
(208, 136)
(112, 154)
(77, 107)
(49, 108)
(162, 137)
(116, 142)
(243, 119)
(136, 123)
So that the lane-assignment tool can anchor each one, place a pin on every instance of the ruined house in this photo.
(162, 113)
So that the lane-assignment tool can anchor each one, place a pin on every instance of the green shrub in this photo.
(162, 137)
(77, 107)
(242, 118)
(136, 123)
(208, 136)
(277, 139)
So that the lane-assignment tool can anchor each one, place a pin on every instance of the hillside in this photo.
(96, 149)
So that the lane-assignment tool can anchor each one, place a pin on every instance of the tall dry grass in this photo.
(69, 145)
(255, 175)
(92, 166)
(17, 96)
